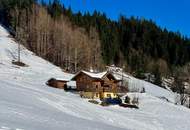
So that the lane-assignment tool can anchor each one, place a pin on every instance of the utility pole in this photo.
(18, 36)
(19, 50)
(75, 60)
(18, 32)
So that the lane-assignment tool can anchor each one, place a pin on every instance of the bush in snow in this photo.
(143, 90)
(19, 63)
(104, 103)
(135, 100)
(93, 101)
(127, 100)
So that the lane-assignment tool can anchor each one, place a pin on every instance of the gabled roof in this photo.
(96, 75)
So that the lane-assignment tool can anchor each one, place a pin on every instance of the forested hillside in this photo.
(78, 41)
(48, 32)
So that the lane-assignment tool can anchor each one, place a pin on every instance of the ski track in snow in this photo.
(26, 103)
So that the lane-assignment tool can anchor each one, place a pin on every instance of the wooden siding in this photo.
(109, 84)
(57, 83)
(88, 84)
(84, 83)
(61, 84)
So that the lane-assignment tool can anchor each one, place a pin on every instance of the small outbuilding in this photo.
(57, 83)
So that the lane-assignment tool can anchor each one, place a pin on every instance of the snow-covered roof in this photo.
(96, 75)
(62, 79)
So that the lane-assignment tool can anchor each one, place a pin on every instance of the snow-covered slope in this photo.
(26, 103)
(135, 84)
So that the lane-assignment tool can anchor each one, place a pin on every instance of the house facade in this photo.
(97, 85)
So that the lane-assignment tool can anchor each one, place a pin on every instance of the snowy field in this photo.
(26, 103)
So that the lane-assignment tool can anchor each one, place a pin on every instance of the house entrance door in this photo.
(101, 95)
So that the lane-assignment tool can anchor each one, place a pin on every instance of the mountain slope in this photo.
(135, 84)
(27, 103)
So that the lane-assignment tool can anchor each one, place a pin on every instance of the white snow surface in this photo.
(95, 75)
(26, 103)
(138, 85)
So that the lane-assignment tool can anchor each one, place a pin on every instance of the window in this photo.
(109, 95)
(96, 94)
(96, 86)
(106, 86)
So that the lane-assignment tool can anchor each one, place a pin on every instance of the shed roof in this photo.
(62, 79)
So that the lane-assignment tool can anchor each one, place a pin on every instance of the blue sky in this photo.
(172, 14)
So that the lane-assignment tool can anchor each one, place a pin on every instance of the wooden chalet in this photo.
(97, 85)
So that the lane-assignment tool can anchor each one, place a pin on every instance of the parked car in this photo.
(112, 101)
